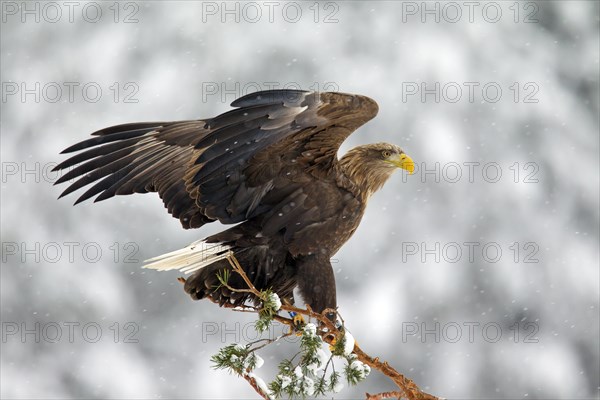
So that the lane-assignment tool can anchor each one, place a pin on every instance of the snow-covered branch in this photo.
(314, 372)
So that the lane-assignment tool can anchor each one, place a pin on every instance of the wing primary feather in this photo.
(128, 127)
(116, 166)
(95, 152)
(103, 184)
(96, 174)
(106, 139)
(94, 165)
(138, 165)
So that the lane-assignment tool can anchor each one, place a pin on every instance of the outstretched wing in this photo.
(138, 158)
(272, 140)
(220, 168)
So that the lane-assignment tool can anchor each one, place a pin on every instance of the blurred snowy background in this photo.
(474, 284)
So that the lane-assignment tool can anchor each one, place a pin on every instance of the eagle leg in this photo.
(316, 282)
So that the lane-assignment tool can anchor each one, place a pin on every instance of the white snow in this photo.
(274, 298)
(319, 363)
(308, 386)
(362, 369)
(298, 372)
(253, 358)
(259, 361)
(239, 347)
(348, 343)
(285, 380)
(338, 386)
(310, 329)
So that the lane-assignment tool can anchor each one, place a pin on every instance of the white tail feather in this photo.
(191, 258)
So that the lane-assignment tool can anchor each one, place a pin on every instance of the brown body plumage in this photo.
(270, 165)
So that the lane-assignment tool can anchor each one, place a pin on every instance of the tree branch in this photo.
(252, 381)
(408, 389)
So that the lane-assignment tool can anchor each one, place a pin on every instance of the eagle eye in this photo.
(386, 153)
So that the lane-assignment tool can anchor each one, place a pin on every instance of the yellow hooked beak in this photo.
(405, 162)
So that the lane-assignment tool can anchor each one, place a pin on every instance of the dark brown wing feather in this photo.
(138, 158)
(225, 167)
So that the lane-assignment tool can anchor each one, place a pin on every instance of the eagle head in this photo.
(369, 166)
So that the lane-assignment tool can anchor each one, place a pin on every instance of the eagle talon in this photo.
(334, 340)
(332, 344)
(336, 337)
(299, 321)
